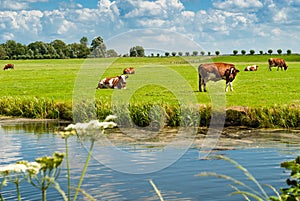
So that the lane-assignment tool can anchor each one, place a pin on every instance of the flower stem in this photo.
(18, 191)
(84, 170)
(68, 169)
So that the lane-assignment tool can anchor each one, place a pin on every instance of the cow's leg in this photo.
(270, 68)
(228, 84)
(200, 83)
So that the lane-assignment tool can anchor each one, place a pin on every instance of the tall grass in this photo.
(38, 108)
(150, 114)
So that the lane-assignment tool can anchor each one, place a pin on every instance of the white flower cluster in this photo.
(31, 167)
(93, 124)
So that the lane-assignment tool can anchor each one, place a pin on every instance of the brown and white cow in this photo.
(129, 70)
(215, 72)
(9, 66)
(118, 82)
(251, 68)
(273, 62)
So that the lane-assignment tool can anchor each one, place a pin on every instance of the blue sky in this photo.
(171, 25)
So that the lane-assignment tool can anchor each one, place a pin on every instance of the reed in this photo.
(39, 108)
(155, 115)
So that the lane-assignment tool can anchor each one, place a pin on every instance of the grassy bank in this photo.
(47, 88)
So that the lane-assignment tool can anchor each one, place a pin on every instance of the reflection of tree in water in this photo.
(37, 128)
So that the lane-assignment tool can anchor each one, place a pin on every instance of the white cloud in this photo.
(238, 5)
(7, 36)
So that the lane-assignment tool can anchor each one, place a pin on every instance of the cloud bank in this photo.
(225, 25)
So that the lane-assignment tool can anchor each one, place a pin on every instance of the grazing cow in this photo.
(216, 72)
(118, 82)
(9, 66)
(273, 62)
(129, 70)
(251, 68)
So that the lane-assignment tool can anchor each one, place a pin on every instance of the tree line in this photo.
(56, 49)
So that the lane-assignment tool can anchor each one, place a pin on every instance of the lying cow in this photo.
(273, 62)
(9, 66)
(251, 68)
(216, 72)
(129, 70)
(118, 82)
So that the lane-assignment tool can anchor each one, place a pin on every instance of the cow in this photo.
(273, 62)
(215, 72)
(9, 66)
(118, 82)
(251, 68)
(129, 70)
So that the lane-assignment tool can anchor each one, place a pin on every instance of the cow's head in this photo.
(285, 67)
(122, 81)
(231, 73)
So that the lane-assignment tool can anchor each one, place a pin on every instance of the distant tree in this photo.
(270, 51)
(60, 47)
(78, 50)
(98, 47)
(133, 52)
(167, 54)
(2, 52)
(217, 53)
(208, 53)
(10, 47)
(202, 53)
(243, 52)
(187, 54)
(111, 53)
(84, 41)
(235, 52)
(140, 51)
(180, 54)
(279, 51)
(289, 52)
(261, 52)
(195, 53)
(173, 54)
(157, 55)
(137, 51)
(252, 52)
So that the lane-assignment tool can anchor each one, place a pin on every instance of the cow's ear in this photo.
(237, 71)
(126, 76)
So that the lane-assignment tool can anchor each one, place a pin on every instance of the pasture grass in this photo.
(170, 82)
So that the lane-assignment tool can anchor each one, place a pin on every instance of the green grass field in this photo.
(157, 80)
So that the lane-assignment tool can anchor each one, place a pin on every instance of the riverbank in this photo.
(151, 115)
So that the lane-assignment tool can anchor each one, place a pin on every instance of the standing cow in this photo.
(215, 72)
(9, 66)
(129, 70)
(273, 62)
(118, 82)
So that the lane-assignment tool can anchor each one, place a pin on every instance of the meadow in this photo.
(170, 81)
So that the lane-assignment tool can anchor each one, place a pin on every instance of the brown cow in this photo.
(129, 70)
(9, 66)
(273, 62)
(216, 72)
(118, 82)
(251, 68)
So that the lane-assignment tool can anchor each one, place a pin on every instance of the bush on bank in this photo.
(153, 115)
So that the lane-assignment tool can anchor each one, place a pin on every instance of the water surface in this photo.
(260, 151)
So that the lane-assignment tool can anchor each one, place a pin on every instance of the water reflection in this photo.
(261, 152)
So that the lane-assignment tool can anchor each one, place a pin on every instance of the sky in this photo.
(166, 25)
